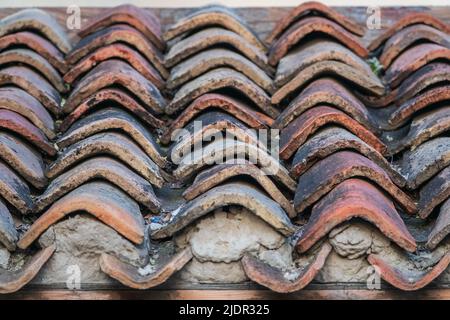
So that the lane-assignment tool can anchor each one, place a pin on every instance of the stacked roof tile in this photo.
(109, 127)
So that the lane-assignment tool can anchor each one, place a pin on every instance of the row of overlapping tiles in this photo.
(84, 128)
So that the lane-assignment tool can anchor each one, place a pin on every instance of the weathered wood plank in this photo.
(442, 294)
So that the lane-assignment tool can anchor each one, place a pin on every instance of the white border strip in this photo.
(197, 3)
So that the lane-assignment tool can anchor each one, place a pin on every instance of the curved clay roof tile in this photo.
(306, 9)
(355, 198)
(141, 19)
(100, 199)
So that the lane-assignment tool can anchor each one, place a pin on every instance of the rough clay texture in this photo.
(79, 241)
(355, 240)
(219, 241)
(351, 242)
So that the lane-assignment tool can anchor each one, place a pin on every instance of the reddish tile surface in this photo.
(330, 92)
(116, 72)
(38, 44)
(217, 79)
(24, 159)
(19, 125)
(239, 109)
(143, 20)
(408, 36)
(353, 143)
(34, 84)
(19, 101)
(115, 51)
(405, 279)
(35, 61)
(114, 34)
(97, 168)
(215, 36)
(408, 20)
(214, 15)
(327, 173)
(131, 276)
(309, 25)
(12, 281)
(307, 8)
(298, 131)
(113, 144)
(107, 203)
(117, 96)
(355, 198)
(39, 21)
(274, 279)
(413, 59)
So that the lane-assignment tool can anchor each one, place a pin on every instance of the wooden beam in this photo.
(227, 295)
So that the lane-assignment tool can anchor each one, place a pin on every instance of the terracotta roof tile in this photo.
(219, 79)
(34, 84)
(330, 92)
(116, 51)
(355, 198)
(14, 190)
(423, 127)
(305, 10)
(441, 227)
(19, 101)
(423, 101)
(19, 125)
(408, 20)
(413, 59)
(409, 36)
(362, 141)
(34, 60)
(12, 281)
(118, 33)
(434, 192)
(298, 131)
(210, 37)
(333, 139)
(38, 44)
(114, 144)
(8, 232)
(427, 76)
(212, 123)
(100, 199)
(132, 277)
(229, 194)
(425, 161)
(364, 82)
(239, 109)
(143, 20)
(39, 21)
(231, 149)
(309, 25)
(214, 15)
(405, 275)
(313, 51)
(221, 173)
(116, 72)
(322, 177)
(207, 60)
(114, 95)
(24, 159)
(96, 168)
(113, 119)
(279, 280)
